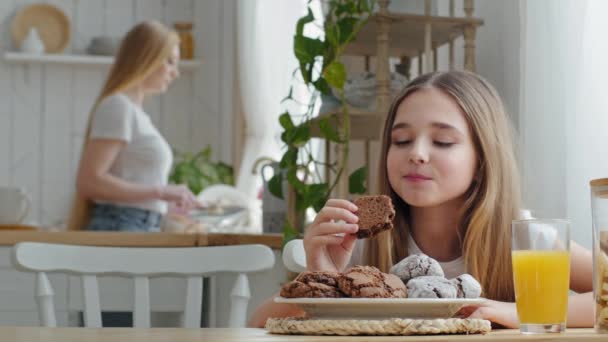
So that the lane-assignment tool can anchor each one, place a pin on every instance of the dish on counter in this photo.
(379, 308)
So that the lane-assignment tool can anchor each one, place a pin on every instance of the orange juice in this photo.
(542, 279)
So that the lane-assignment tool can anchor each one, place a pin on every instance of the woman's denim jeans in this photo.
(109, 217)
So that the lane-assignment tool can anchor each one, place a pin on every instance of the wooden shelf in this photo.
(84, 60)
(364, 124)
(406, 38)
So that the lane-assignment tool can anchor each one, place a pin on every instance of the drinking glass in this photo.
(541, 273)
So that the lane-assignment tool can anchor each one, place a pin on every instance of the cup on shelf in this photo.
(15, 204)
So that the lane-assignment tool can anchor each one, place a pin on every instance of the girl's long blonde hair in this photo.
(493, 199)
(143, 49)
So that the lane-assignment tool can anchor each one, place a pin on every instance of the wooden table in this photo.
(27, 334)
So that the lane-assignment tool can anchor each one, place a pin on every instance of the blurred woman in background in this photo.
(125, 162)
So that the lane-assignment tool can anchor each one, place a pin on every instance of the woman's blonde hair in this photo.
(143, 49)
(493, 199)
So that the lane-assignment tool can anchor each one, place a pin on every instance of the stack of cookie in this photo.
(417, 276)
(424, 278)
(355, 282)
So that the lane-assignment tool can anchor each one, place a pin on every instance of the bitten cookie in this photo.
(416, 265)
(375, 214)
(431, 287)
(313, 285)
(370, 282)
(466, 286)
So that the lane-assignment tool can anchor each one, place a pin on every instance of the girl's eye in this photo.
(443, 144)
(401, 142)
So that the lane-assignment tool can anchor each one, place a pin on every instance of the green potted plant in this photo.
(320, 70)
(198, 170)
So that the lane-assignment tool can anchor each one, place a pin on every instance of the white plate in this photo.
(375, 308)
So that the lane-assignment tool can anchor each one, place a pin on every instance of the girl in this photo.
(125, 164)
(448, 164)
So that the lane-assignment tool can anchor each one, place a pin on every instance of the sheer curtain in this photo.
(563, 122)
(265, 66)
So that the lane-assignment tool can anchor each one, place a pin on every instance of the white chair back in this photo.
(141, 264)
(294, 256)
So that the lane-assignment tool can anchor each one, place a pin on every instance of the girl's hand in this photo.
(501, 313)
(181, 198)
(330, 240)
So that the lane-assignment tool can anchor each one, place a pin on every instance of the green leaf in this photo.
(289, 158)
(331, 34)
(335, 74)
(306, 49)
(289, 233)
(285, 121)
(301, 135)
(356, 181)
(318, 194)
(275, 185)
(329, 131)
(322, 86)
(346, 28)
(308, 18)
(306, 72)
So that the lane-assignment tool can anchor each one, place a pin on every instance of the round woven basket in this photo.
(52, 25)
(392, 326)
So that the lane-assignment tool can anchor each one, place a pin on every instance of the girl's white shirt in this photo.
(451, 268)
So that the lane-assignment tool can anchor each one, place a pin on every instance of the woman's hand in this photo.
(330, 240)
(181, 198)
(501, 313)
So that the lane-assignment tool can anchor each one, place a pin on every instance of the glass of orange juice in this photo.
(541, 273)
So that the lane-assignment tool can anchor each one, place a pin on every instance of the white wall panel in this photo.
(6, 132)
(57, 186)
(88, 22)
(118, 17)
(207, 81)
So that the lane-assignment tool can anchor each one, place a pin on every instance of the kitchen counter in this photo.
(127, 239)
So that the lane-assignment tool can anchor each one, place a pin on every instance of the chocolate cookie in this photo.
(369, 282)
(416, 265)
(431, 287)
(375, 214)
(313, 285)
(466, 286)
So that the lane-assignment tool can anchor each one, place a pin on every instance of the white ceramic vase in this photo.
(32, 42)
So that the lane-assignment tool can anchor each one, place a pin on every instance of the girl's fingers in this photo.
(334, 213)
(329, 228)
(323, 240)
(341, 203)
(349, 241)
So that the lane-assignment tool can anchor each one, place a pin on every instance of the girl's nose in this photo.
(418, 154)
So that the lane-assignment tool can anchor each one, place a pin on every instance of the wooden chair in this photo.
(140, 264)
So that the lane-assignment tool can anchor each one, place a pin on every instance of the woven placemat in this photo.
(393, 326)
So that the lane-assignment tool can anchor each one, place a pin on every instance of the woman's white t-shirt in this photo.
(146, 157)
(451, 269)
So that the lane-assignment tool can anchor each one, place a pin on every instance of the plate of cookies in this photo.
(414, 288)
